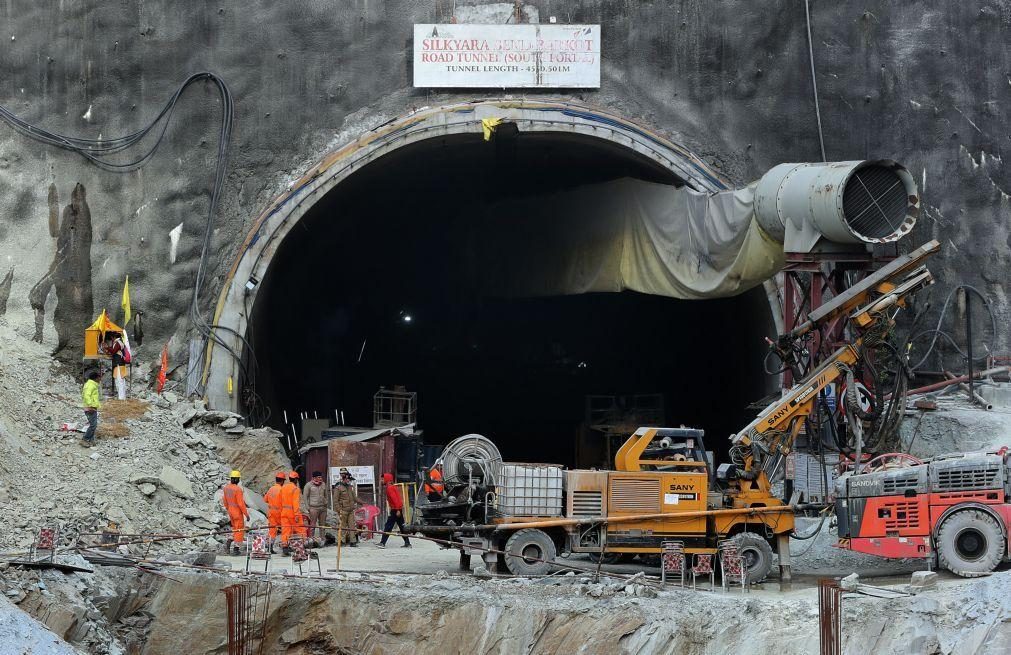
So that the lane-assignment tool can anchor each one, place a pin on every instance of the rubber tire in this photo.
(757, 554)
(533, 542)
(986, 526)
(608, 558)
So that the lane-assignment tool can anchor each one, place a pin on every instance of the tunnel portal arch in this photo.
(241, 285)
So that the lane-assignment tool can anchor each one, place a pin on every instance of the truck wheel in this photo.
(970, 543)
(756, 553)
(606, 558)
(525, 549)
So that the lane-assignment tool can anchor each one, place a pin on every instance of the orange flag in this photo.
(164, 369)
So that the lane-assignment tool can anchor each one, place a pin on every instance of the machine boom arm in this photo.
(771, 435)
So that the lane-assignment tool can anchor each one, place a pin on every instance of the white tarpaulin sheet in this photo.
(625, 234)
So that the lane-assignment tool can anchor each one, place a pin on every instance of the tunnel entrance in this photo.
(394, 277)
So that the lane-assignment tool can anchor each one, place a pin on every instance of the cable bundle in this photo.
(103, 153)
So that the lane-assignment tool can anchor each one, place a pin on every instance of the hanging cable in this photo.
(937, 331)
(102, 152)
(814, 78)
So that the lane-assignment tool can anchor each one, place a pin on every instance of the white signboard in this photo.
(363, 475)
(507, 56)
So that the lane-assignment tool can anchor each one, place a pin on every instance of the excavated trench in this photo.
(437, 267)
(172, 610)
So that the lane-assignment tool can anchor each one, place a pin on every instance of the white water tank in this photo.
(530, 489)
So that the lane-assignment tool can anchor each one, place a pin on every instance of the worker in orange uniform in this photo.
(235, 505)
(291, 512)
(274, 509)
(300, 527)
(434, 488)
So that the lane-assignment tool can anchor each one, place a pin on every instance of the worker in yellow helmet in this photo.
(235, 505)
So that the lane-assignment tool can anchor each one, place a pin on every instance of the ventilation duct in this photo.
(834, 206)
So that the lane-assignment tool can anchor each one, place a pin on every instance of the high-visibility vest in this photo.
(435, 474)
(273, 498)
(291, 497)
(232, 498)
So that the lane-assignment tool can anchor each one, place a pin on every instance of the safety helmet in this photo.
(293, 475)
(345, 470)
(235, 474)
(279, 475)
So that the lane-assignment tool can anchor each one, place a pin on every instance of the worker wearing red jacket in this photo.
(395, 509)
(235, 505)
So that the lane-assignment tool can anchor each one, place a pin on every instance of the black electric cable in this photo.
(937, 331)
(101, 151)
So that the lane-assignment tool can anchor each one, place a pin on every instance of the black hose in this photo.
(937, 331)
(101, 152)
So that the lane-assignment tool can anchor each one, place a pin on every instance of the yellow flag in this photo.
(126, 301)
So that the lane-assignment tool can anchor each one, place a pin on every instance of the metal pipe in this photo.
(551, 523)
(968, 340)
(972, 393)
(962, 378)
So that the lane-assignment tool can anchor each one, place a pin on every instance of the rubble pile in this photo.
(102, 612)
(159, 478)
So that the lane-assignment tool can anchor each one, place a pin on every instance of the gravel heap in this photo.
(160, 477)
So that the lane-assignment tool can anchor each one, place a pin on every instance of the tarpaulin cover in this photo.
(624, 234)
(103, 324)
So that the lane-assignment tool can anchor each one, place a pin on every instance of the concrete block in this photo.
(850, 582)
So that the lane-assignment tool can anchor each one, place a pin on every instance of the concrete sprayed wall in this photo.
(926, 83)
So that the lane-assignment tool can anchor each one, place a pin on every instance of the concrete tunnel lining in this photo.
(286, 212)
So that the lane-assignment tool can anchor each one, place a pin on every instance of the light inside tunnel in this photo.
(395, 277)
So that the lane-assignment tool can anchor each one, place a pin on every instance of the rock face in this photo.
(257, 455)
(18, 629)
(720, 77)
(412, 616)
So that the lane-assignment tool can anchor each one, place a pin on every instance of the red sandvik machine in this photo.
(955, 507)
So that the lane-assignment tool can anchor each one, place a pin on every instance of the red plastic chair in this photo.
(732, 567)
(45, 541)
(367, 521)
(703, 566)
(259, 551)
(672, 560)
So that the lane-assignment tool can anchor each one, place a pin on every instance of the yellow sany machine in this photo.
(663, 487)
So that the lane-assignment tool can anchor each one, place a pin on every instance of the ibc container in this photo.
(530, 489)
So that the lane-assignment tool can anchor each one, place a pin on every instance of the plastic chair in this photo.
(672, 560)
(260, 550)
(367, 521)
(704, 566)
(46, 540)
(732, 566)
(300, 552)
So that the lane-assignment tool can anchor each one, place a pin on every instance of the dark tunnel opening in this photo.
(382, 283)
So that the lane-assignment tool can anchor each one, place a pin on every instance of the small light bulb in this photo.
(407, 318)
